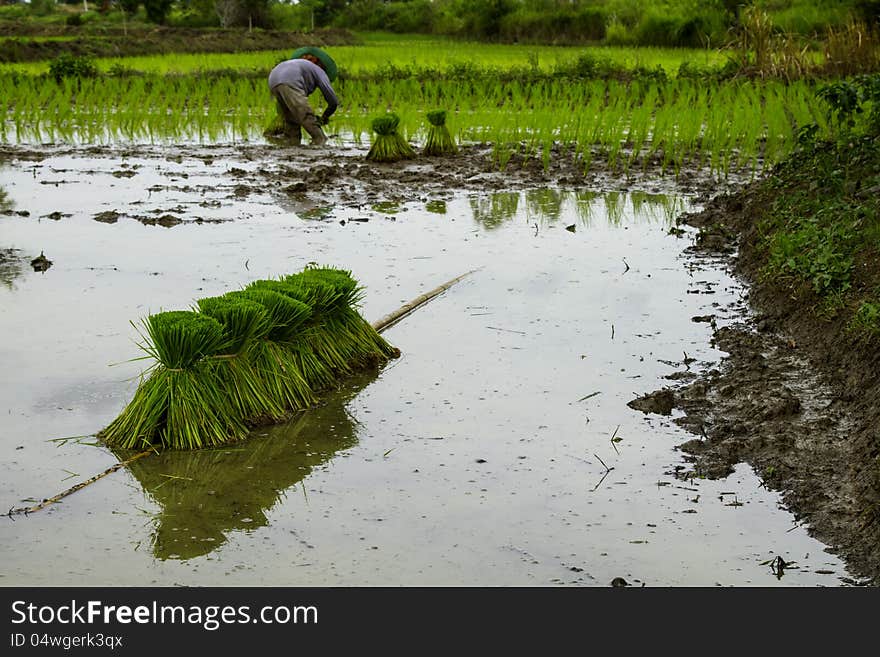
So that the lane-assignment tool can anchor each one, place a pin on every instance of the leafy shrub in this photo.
(72, 66)
(618, 34)
(850, 98)
(867, 319)
(569, 25)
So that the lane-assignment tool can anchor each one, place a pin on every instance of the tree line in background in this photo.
(686, 23)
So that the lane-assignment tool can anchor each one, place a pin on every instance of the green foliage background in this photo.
(686, 23)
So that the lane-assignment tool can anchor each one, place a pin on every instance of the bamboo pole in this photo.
(391, 319)
(52, 500)
(379, 325)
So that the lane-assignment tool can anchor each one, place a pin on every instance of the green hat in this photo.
(323, 57)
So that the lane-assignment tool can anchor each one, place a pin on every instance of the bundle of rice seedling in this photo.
(355, 341)
(272, 356)
(439, 141)
(318, 364)
(276, 125)
(248, 357)
(244, 323)
(388, 146)
(181, 404)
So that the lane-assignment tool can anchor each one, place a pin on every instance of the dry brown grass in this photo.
(761, 51)
(851, 49)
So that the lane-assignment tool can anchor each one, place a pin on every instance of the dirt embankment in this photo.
(798, 397)
(22, 47)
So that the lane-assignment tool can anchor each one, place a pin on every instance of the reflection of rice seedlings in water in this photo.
(495, 209)
(181, 404)
(664, 207)
(436, 206)
(614, 207)
(584, 202)
(205, 495)
(546, 204)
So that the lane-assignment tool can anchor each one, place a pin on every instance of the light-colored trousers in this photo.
(298, 113)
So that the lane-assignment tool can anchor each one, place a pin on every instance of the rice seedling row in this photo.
(724, 125)
(442, 55)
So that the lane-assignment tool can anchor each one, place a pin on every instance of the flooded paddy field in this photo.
(498, 450)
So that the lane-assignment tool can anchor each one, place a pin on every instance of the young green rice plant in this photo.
(318, 369)
(337, 341)
(343, 319)
(245, 324)
(439, 141)
(181, 404)
(388, 145)
(324, 301)
(274, 355)
(275, 125)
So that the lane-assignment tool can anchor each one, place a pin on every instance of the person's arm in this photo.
(329, 96)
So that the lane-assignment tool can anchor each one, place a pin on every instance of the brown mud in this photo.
(797, 398)
(316, 178)
(22, 42)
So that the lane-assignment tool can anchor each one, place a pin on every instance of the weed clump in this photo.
(388, 145)
(439, 141)
(72, 66)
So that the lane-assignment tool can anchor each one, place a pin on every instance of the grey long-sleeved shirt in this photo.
(304, 76)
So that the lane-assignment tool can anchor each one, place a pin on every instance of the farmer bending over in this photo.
(291, 83)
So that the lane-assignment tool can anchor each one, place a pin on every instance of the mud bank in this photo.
(340, 175)
(797, 398)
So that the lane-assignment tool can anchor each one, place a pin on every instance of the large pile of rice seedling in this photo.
(246, 325)
(439, 141)
(246, 358)
(272, 356)
(353, 335)
(388, 145)
(181, 403)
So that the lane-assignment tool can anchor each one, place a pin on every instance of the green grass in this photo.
(413, 52)
(821, 232)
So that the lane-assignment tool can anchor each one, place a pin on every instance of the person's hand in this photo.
(323, 120)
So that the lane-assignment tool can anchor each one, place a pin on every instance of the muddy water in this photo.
(498, 450)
